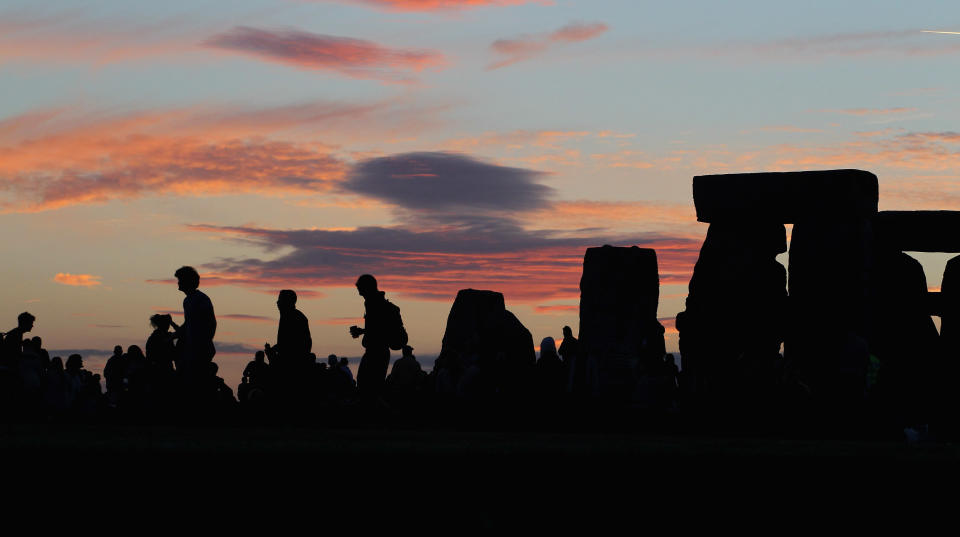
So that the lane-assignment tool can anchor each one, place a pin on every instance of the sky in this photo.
(437, 144)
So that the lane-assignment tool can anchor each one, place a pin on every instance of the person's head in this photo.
(25, 321)
(366, 285)
(259, 356)
(74, 362)
(548, 347)
(287, 300)
(56, 363)
(161, 322)
(187, 279)
(117, 350)
(133, 351)
(567, 332)
(37, 342)
(407, 351)
(212, 369)
(332, 360)
(344, 362)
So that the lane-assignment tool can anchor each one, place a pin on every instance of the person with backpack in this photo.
(382, 330)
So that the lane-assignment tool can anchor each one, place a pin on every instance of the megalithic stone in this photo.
(784, 197)
(830, 286)
(950, 310)
(481, 333)
(903, 336)
(736, 306)
(619, 292)
(919, 231)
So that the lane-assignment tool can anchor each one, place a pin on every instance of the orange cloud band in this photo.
(77, 280)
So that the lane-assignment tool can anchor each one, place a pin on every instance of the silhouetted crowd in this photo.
(173, 376)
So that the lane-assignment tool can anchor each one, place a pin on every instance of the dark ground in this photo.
(469, 480)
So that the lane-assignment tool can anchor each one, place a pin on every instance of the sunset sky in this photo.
(437, 144)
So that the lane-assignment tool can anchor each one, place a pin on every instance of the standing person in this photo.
(11, 353)
(13, 341)
(293, 336)
(160, 347)
(574, 364)
(382, 329)
(195, 346)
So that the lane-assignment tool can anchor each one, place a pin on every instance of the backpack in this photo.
(396, 333)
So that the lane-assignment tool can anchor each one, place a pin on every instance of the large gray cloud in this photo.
(448, 181)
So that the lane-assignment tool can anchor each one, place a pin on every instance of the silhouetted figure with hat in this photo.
(383, 329)
(195, 345)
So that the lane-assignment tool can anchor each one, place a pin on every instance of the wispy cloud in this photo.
(883, 43)
(355, 58)
(557, 309)
(70, 36)
(60, 157)
(528, 46)
(871, 111)
(77, 280)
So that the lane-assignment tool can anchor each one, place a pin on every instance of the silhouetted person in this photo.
(379, 331)
(293, 337)
(54, 394)
(115, 375)
(345, 368)
(74, 380)
(576, 366)
(406, 376)
(550, 379)
(13, 341)
(161, 350)
(138, 374)
(195, 343)
(257, 371)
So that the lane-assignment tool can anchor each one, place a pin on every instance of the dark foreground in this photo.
(263, 445)
(479, 480)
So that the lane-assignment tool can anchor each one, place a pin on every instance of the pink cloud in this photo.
(526, 47)
(77, 280)
(356, 58)
(52, 158)
(559, 309)
(527, 266)
(578, 32)
(338, 321)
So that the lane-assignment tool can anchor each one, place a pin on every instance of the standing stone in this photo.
(733, 325)
(903, 338)
(831, 259)
(619, 292)
(488, 347)
(949, 369)
(830, 285)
